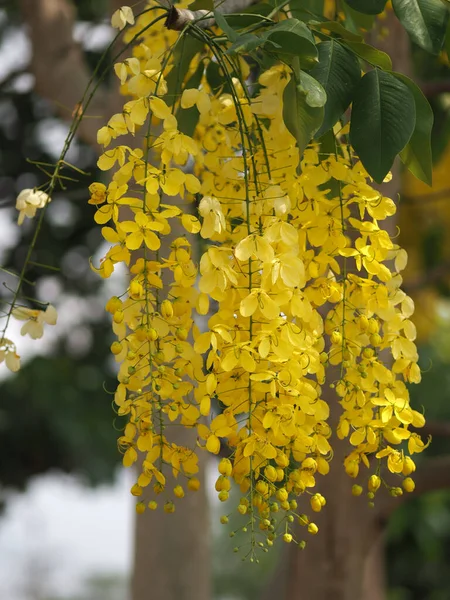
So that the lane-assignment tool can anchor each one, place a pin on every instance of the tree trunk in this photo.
(345, 560)
(171, 551)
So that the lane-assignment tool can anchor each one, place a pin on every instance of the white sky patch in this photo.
(61, 532)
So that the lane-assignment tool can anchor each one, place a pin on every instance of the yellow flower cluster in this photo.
(302, 275)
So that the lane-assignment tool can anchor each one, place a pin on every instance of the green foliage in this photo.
(417, 153)
(425, 21)
(383, 121)
(368, 7)
(303, 107)
(339, 73)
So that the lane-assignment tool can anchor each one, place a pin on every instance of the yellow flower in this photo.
(35, 320)
(121, 17)
(28, 201)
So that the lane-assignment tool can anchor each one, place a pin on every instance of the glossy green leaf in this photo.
(252, 16)
(245, 43)
(302, 119)
(383, 121)
(417, 155)
(227, 29)
(183, 55)
(188, 117)
(375, 57)
(339, 72)
(368, 7)
(339, 29)
(425, 21)
(356, 21)
(307, 10)
(293, 37)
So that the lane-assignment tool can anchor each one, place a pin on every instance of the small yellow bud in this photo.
(116, 348)
(310, 464)
(313, 529)
(336, 337)
(262, 487)
(270, 473)
(118, 316)
(225, 467)
(140, 508)
(166, 309)
(224, 519)
(287, 537)
(363, 323)
(280, 474)
(222, 483)
(375, 339)
(282, 494)
(374, 326)
(136, 490)
(293, 504)
(274, 507)
(113, 305)
(374, 483)
(368, 353)
(242, 509)
(408, 466)
(315, 502)
(178, 491)
(193, 484)
(303, 520)
(282, 460)
(169, 507)
(408, 485)
(357, 490)
(182, 334)
(136, 291)
(302, 545)
(153, 505)
(152, 335)
(223, 496)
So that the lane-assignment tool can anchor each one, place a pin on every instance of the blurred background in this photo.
(66, 515)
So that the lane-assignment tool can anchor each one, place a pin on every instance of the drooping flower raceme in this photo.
(297, 275)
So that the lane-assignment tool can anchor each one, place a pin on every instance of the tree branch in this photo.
(58, 64)
(178, 18)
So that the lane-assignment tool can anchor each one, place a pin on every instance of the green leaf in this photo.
(293, 37)
(375, 57)
(223, 24)
(368, 7)
(425, 21)
(245, 43)
(339, 29)
(339, 73)
(315, 95)
(301, 119)
(183, 55)
(188, 117)
(417, 156)
(216, 79)
(253, 15)
(356, 21)
(307, 10)
(383, 121)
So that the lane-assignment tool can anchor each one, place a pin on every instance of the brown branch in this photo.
(58, 64)
(178, 18)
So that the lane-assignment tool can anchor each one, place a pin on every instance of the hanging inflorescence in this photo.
(298, 281)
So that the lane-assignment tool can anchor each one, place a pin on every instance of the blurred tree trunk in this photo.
(345, 561)
(172, 551)
(171, 554)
